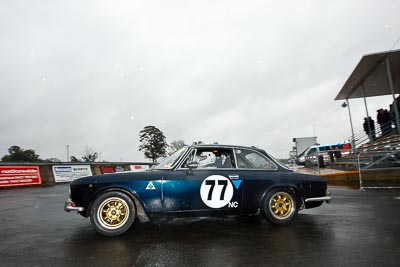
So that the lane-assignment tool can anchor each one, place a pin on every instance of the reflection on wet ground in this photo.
(358, 228)
(203, 242)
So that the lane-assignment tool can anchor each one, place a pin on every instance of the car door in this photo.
(206, 181)
(257, 173)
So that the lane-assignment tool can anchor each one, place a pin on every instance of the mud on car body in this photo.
(199, 180)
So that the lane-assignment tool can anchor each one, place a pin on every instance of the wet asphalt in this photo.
(359, 228)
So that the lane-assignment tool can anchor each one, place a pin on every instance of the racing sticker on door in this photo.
(216, 191)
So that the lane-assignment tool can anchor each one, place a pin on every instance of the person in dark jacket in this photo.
(369, 128)
(384, 120)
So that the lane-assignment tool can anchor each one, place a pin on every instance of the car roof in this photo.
(227, 146)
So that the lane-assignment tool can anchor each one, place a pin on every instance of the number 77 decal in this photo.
(212, 183)
(216, 191)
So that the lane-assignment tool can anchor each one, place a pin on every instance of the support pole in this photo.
(396, 110)
(365, 99)
(353, 141)
(67, 146)
(371, 131)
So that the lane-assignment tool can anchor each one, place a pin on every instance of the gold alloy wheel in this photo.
(113, 212)
(281, 205)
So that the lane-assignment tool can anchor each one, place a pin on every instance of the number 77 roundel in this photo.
(216, 191)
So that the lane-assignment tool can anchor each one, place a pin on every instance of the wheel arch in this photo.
(140, 211)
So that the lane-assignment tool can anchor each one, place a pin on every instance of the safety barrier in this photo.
(33, 174)
(379, 169)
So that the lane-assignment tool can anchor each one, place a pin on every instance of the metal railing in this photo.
(362, 137)
(376, 158)
(379, 169)
(327, 158)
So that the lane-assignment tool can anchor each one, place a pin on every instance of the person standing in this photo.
(369, 128)
(384, 120)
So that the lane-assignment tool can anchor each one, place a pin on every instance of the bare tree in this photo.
(89, 155)
(175, 146)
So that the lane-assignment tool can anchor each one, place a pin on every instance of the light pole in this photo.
(67, 146)
(353, 141)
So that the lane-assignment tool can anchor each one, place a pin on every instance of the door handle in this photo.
(233, 176)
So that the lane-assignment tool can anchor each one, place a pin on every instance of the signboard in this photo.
(139, 168)
(119, 169)
(105, 169)
(68, 173)
(19, 175)
(108, 169)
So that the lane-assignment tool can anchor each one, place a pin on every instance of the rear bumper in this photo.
(326, 198)
(70, 206)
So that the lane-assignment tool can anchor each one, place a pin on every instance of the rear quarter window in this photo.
(248, 159)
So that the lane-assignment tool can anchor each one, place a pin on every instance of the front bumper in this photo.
(326, 198)
(70, 206)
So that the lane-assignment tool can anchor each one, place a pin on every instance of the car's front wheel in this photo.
(112, 213)
(279, 206)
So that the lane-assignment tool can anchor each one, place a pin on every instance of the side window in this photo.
(248, 159)
(212, 158)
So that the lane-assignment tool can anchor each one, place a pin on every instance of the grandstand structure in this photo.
(374, 159)
(384, 152)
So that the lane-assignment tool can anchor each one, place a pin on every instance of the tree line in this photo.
(18, 154)
(153, 145)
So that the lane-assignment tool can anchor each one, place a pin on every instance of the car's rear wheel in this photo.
(279, 206)
(112, 213)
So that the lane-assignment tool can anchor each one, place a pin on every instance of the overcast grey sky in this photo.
(94, 73)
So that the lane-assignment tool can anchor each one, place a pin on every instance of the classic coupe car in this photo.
(199, 180)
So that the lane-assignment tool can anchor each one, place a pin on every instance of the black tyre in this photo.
(112, 213)
(279, 206)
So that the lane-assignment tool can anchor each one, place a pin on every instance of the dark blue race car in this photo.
(200, 180)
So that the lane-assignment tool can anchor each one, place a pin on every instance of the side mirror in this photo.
(193, 165)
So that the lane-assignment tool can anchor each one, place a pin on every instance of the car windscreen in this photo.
(170, 161)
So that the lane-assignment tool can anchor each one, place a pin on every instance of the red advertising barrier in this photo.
(107, 169)
(19, 175)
